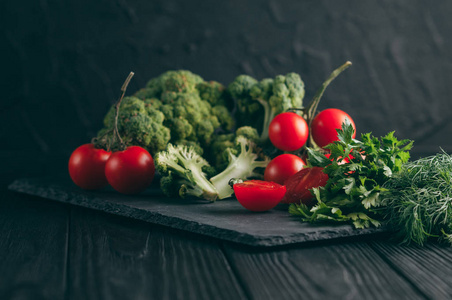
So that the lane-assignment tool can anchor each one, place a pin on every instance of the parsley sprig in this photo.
(353, 191)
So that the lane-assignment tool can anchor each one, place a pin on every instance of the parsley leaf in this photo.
(353, 191)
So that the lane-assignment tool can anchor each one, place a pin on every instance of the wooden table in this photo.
(52, 250)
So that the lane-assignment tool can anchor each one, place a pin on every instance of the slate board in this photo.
(225, 219)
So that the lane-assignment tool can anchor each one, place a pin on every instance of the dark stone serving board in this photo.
(224, 219)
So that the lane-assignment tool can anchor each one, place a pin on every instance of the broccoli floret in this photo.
(212, 92)
(274, 96)
(249, 132)
(188, 117)
(217, 154)
(222, 144)
(240, 89)
(242, 165)
(187, 105)
(248, 111)
(138, 124)
(186, 173)
(223, 116)
(181, 81)
(188, 165)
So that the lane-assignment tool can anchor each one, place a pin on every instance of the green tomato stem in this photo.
(310, 111)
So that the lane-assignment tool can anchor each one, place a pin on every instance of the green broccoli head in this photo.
(262, 89)
(248, 132)
(276, 96)
(288, 92)
(181, 81)
(169, 184)
(240, 89)
(138, 124)
(217, 154)
(224, 144)
(189, 117)
(224, 116)
(212, 92)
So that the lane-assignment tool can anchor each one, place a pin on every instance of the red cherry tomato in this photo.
(298, 185)
(288, 131)
(130, 171)
(86, 167)
(324, 125)
(282, 167)
(259, 195)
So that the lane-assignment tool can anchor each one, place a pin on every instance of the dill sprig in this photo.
(418, 201)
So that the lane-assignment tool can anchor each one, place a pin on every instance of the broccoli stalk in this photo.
(184, 171)
(188, 164)
(241, 166)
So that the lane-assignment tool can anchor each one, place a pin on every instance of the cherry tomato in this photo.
(288, 131)
(298, 185)
(324, 125)
(86, 167)
(130, 171)
(259, 195)
(282, 167)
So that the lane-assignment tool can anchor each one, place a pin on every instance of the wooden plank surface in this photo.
(429, 268)
(33, 248)
(56, 251)
(112, 257)
(333, 271)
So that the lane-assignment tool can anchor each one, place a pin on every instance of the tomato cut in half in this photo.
(259, 195)
(299, 185)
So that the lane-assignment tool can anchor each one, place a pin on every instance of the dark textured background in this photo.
(63, 62)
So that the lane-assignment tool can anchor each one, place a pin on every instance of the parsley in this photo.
(353, 191)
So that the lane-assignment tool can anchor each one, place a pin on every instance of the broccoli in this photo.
(222, 144)
(193, 109)
(185, 171)
(138, 124)
(274, 95)
(242, 165)
(177, 107)
(213, 92)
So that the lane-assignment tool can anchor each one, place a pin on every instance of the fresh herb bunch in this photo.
(418, 200)
(357, 169)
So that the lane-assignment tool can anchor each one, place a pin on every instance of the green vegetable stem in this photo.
(115, 142)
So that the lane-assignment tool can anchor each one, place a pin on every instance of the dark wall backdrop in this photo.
(64, 61)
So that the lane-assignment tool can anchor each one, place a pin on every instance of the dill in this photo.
(418, 200)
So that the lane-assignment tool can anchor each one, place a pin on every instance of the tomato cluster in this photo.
(129, 171)
(289, 131)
